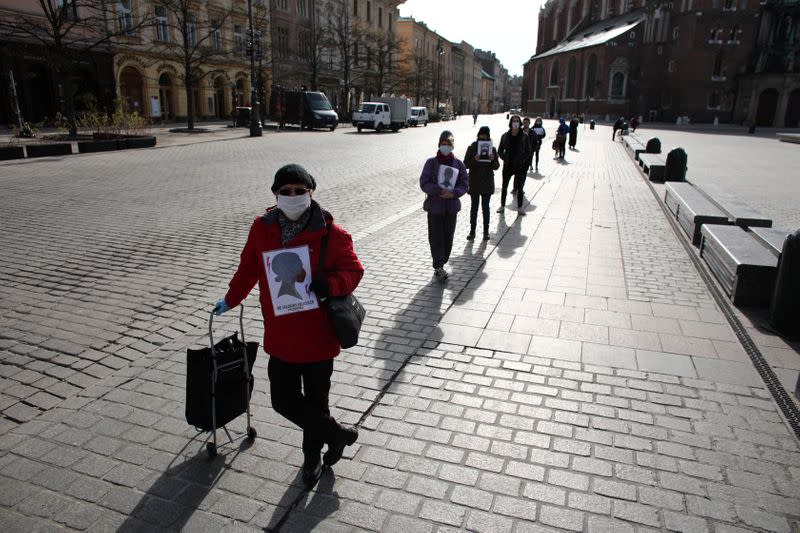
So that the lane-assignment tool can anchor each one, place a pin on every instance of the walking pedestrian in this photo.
(515, 151)
(526, 129)
(537, 136)
(481, 181)
(617, 127)
(444, 180)
(561, 138)
(574, 123)
(474, 117)
(282, 255)
(634, 123)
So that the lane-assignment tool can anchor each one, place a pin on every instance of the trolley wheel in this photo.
(212, 450)
(251, 434)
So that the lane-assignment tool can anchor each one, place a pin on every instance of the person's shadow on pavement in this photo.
(173, 498)
(295, 512)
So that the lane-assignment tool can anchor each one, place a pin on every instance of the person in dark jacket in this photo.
(481, 169)
(634, 123)
(514, 150)
(537, 136)
(281, 255)
(574, 123)
(444, 180)
(617, 127)
(561, 138)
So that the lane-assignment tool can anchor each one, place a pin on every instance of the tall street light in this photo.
(255, 119)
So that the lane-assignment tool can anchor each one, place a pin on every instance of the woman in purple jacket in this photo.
(444, 179)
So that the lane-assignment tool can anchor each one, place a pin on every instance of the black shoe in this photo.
(312, 470)
(345, 437)
(486, 236)
(471, 236)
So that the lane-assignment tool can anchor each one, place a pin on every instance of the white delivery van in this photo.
(400, 109)
(419, 115)
(373, 116)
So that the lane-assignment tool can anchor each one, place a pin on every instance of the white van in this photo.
(419, 115)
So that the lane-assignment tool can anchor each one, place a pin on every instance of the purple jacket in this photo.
(429, 182)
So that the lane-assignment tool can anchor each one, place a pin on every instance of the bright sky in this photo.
(505, 27)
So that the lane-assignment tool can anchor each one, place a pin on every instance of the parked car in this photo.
(309, 109)
(419, 115)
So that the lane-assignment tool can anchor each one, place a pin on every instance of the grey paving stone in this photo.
(681, 522)
(443, 512)
(723, 371)
(561, 518)
(637, 513)
(666, 363)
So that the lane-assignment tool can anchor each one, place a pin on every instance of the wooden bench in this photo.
(739, 213)
(771, 238)
(745, 269)
(654, 165)
(691, 208)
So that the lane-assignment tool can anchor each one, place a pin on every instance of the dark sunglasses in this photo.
(293, 191)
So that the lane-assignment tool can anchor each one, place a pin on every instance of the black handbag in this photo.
(345, 312)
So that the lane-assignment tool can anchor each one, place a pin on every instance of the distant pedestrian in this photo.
(574, 123)
(561, 138)
(474, 117)
(634, 123)
(617, 127)
(537, 136)
(515, 151)
(444, 179)
(526, 129)
(481, 168)
(283, 246)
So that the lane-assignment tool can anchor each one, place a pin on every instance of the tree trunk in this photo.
(189, 106)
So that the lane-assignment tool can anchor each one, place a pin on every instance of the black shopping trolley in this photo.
(219, 382)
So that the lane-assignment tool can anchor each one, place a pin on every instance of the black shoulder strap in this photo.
(322, 249)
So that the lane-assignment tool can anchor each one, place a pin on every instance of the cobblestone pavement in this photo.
(558, 381)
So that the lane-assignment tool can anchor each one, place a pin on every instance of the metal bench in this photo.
(745, 269)
(739, 213)
(654, 165)
(691, 208)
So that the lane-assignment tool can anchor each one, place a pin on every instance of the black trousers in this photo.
(482, 199)
(299, 393)
(519, 185)
(536, 157)
(441, 229)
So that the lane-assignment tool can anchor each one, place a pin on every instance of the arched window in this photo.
(539, 81)
(618, 85)
(736, 33)
(591, 76)
(554, 73)
(571, 72)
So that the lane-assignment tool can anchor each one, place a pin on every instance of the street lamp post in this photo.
(440, 53)
(255, 120)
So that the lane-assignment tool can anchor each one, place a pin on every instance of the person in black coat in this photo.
(514, 150)
(617, 127)
(574, 123)
(537, 135)
(481, 167)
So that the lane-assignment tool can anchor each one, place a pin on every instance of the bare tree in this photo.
(345, 39)
(416, 75)
(198, 43)
(67, 29)
(384, 47)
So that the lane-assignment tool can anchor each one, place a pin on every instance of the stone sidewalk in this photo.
(573, 374)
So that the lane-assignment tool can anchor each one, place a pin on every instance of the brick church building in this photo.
(654, 58)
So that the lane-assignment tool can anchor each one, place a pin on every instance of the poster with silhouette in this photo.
(289, 277)
(484, 151)
(447, 177)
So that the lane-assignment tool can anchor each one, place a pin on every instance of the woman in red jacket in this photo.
(282, 256)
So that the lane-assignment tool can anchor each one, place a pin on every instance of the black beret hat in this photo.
(484, 131)
(290, 174)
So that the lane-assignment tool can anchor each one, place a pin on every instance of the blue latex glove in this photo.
(220, 307)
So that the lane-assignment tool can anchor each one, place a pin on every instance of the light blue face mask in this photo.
(446, 149)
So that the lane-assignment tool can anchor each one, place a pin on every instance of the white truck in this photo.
(383, 113)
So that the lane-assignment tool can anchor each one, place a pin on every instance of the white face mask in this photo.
(446, 149)
(294, 206)
(515, 125)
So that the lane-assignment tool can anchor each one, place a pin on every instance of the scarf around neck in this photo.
(291, 228)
